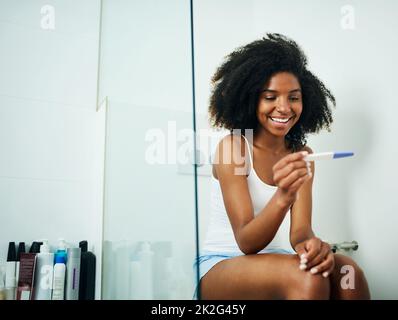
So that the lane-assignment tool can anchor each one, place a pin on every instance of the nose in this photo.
(283, 105)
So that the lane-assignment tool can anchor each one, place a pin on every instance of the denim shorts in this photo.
(209, 259)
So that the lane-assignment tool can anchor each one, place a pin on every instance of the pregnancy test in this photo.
(327, 155)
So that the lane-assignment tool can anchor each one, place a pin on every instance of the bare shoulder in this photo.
(230, 153)
(230, 149)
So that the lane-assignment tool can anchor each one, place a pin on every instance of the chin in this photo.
(278, 133)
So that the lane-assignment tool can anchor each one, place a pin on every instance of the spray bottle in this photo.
(72, 274)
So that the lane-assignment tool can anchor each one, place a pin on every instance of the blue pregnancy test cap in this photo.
(338, 155)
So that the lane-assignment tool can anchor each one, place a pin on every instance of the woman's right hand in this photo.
(290, 173)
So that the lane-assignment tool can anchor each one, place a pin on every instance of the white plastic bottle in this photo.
(135, 280)
(145, 256)
(2, 286)
(121, 270)
(165, 281)
(59, 278)
(44, 273)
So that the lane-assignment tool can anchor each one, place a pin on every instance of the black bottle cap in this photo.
(35, 247)
(21, 249)
(83, 245)
(12, 253)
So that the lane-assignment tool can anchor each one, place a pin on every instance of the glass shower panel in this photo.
(149, 190)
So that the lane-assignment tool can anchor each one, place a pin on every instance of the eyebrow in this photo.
(269, 90)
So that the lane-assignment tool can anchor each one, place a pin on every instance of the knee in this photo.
(355, 273)
(346, 265)
(359, 273)
(350, 276)
(313, 287)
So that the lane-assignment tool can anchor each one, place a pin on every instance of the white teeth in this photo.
(280, 120)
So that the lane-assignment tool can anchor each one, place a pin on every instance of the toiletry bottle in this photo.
(87, 273)
(21, 249)
(121, 270)
(44, 273)
(72, 274)
(2, 286)
(145, 256)
(10, 272)
(59, 277)
(183, 283)
(26, 276)
(135, 280)
(165, 282)
(61, 250)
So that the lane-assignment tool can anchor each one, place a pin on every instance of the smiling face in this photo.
(280, 104)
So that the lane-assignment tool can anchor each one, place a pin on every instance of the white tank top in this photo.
(220, 236)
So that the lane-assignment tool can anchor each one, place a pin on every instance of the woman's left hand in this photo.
(316, 256)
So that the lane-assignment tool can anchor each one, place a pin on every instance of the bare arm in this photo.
(259, 232)
(315, 254)
(301, 212)
(254, 233)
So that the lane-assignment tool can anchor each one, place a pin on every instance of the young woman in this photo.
(260, 243)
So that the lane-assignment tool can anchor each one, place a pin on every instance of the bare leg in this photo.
(360, 290)
(263, 276)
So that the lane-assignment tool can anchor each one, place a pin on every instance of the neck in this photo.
(264, 140)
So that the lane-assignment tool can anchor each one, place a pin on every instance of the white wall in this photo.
(353, 198)
(51, 138)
